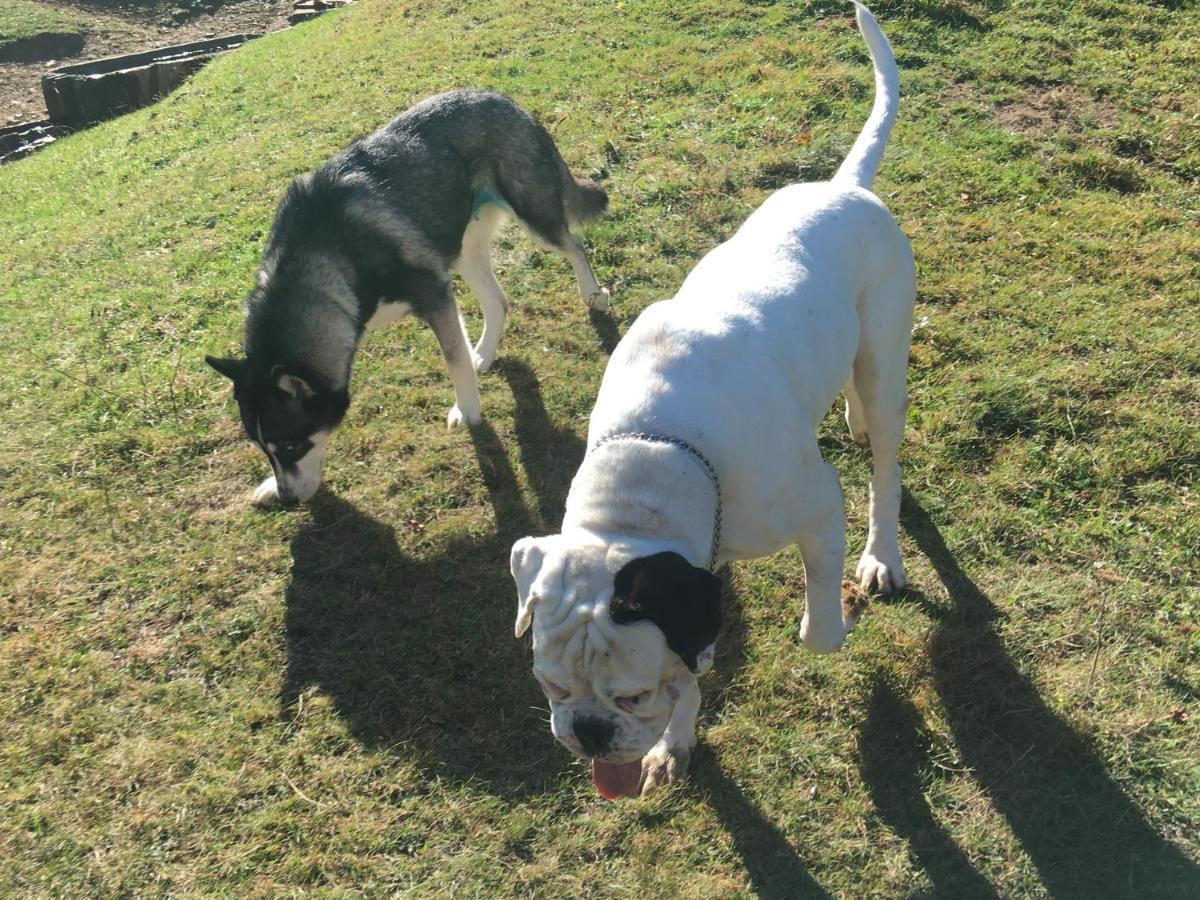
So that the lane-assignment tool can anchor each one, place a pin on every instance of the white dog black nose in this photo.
(595, 734)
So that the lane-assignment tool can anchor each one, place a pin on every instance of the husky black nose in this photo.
(594, 734)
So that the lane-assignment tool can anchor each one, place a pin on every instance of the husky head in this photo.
(289, 412)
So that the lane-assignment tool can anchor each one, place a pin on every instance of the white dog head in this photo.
(616, 639)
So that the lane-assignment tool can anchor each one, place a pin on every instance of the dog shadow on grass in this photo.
(1080, 830)
(549, 454)
(606, 329)
(774, 867)
(417, 652)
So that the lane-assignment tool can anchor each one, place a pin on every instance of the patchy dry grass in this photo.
(198, 698)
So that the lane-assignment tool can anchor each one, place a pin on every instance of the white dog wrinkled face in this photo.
(611, 689)
(605, 682)
(612, 686)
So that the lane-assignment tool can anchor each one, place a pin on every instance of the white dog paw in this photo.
(664, 764)
(458, 416)
(266, 494)
(600, 299)
(883, 573)
(822, 640)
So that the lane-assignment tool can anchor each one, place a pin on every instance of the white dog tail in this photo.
(862, 162)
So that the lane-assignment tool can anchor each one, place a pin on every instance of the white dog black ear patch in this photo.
(684, 601)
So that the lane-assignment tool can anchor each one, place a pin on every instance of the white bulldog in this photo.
(703, 449)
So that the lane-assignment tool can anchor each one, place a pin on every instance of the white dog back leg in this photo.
(878, 384)
(823, 547)
(855, 420)
(475, 267)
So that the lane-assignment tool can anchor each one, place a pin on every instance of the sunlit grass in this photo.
(198, 698)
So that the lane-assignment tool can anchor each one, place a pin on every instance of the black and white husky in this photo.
(373, 235)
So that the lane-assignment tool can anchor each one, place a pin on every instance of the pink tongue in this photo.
(613, 781)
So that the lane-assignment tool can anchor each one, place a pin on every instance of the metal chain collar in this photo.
(652, 438)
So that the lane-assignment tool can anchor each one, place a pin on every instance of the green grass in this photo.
(198, 698)
(21, 19)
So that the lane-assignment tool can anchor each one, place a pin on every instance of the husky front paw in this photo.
(458, 416)
(266, 495)
(664, 764)
(482, 361)
(599, 300)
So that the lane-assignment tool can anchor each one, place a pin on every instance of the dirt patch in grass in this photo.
(966, 93)
(1040, 111)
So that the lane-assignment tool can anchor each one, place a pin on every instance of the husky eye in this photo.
(290, 447)
(630, 703)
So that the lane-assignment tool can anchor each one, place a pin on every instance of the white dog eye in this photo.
(631, 702)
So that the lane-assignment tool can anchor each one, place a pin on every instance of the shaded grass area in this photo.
(196, 697)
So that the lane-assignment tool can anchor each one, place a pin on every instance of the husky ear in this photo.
(682, 600)
(292, 385)
(233, 369)
(525, 563)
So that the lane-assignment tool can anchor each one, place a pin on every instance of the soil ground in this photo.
(129, 29)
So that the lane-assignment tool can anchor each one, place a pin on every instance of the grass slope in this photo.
(21, 19)
(197, 698)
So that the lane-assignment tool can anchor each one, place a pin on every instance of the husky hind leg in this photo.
(547, 200)
(475, 266)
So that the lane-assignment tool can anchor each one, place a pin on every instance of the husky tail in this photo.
(862, 162)
(584, 199)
